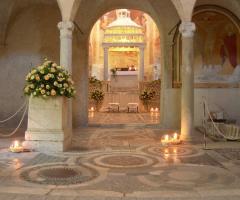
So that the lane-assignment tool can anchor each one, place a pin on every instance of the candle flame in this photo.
(175, 136)
(16, 143)
(166, 137)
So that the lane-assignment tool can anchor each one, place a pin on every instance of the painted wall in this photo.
(32, 35)
(151, 53)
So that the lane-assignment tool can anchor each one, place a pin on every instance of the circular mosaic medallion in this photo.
(59, 174)
(173, 151)
(124, 160)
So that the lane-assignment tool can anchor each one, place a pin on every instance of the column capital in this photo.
(66, 28)
(187, 29)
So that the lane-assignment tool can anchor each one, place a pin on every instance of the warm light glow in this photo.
(166, 137)
(175, 136)
(16, 143)
(152, 110)
(156, 109)
(16, 147)
(175, 151)
(166, 151)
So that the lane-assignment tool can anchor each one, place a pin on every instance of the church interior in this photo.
(120, 99)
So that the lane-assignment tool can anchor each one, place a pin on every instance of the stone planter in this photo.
(49, 127)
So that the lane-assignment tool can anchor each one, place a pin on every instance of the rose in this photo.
(60, 75)
(42, 86)
(48, 87)
(26, 89)
(37, 77)
(32, 86)
(43, 91)
(52, 70)
(65, 85)
(54, 65)
(46, 77)
(55, 83)
(53, 92)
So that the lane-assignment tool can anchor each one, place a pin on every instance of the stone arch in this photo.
(156, 9)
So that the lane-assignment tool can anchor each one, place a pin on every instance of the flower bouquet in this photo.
(49, 79)
(97, 96)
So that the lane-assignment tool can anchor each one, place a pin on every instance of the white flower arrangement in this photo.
(49, 79)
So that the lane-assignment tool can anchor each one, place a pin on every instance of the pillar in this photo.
(105, 75)
(187, 92)
(141, 65)
(66, 29)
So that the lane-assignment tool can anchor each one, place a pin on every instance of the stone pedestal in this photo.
(48, 129)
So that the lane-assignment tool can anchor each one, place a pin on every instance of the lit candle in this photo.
(175, 136)
(91, 109)
(175, 151)
(156, 109)
(166, 138)
(16, 147)
(166, 151)
(152, 110)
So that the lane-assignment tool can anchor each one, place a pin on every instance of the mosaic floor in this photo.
(131, 164)
(98, 118)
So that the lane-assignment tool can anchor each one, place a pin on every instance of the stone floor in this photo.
(123, 163)
(122, 118)
(119, 156)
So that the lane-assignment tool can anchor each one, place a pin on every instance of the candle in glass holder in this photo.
(16, 147)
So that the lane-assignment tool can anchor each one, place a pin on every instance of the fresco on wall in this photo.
(136, 15)
(152, 48)
(121, 59)
(216, 48)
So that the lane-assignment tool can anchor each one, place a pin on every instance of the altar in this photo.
(124, 81)
(123, 45)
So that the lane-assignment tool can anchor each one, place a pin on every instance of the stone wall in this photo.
(32, 35)
(225, 99)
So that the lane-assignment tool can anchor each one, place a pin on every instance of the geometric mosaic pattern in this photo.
(59, 174)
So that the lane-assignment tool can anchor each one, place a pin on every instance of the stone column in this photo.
(141, 65)
(66, 29)
(187, 93)
(105, 75)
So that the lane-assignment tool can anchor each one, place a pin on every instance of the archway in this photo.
(124, 62)
(158, 11)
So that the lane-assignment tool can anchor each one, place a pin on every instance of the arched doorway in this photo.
(80, 45)
(124, 62)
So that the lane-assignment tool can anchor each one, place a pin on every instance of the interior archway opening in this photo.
(124, 69)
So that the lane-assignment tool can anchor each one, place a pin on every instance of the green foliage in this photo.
(49, 79)
(97, 96)
(146, 95)
(94, 81)
(113, 71)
